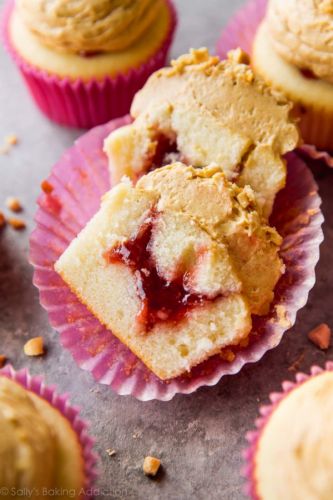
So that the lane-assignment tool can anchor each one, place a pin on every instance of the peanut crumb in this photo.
(151, 466)
(3, 360)
(321, 336)
(295, 366)
(13, 204)
(16, 223)
(2, 220)
(111, 452)
(34, 347)
(46, 187)
(11, 139)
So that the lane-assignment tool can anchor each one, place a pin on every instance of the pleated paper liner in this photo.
(85, 104)
(252, 437)
(240, 32)
(79, 180)
(36, 385)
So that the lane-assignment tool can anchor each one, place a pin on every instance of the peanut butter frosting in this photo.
(302, 33)
(88, 26)
(214, 111)
(27, 444)
(39, 452)
(294, 459)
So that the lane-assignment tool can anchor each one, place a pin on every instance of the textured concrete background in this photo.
(199, 437)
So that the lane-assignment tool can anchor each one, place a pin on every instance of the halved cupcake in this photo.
(175, 266)
(197, 233)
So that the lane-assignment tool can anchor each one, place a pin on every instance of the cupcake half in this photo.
(83, 62)
(185, 272)
(44, 445)
(290, 454)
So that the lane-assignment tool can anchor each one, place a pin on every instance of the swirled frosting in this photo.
(302, 33)
(88, 26)
(294, 459)
(27, 445)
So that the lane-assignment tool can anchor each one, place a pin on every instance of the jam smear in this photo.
(166, 153)
(161, 300)
(307, 73)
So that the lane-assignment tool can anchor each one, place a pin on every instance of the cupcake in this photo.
(292, 50)
(175, 266)
(84, 61)
(44, 447)
(179, 277)
(207, 110)
(291, 452)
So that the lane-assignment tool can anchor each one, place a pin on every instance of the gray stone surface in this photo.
(199, 437)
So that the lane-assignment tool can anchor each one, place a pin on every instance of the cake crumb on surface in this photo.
(111, 452)
(3, 360)
(34, 347)
(16, 223)
(11, 139)
(321, 336)
(151, 466)
(14, 204)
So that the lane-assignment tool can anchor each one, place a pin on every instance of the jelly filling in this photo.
(162, 300)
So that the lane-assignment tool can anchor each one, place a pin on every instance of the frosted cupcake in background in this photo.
(84, 60)
(44, 446)
(293, 51)
(290, 454)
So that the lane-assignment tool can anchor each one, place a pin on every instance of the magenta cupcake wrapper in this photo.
(71, 413)
(79, 180)
(240, 32)
(86, 104)
(266, 411)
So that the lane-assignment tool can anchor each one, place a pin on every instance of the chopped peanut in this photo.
(34, 347)
(16, 223)
(321, 336)
(14, 204)
(11, 139)
(46, 187)
(151, 466)
(2, 220)
(3, 360)
(111, 452)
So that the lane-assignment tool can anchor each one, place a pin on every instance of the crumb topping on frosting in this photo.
(302, 33)
(213, 111)
(88, 26)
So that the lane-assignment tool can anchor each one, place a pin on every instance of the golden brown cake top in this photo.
(27, 445)
(302, 33)
(88, 26)
(215, 112)
(294, 455)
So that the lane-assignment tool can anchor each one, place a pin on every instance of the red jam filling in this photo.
(161, 300)
(307, 73)
(166, 153)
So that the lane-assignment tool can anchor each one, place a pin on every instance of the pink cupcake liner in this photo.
(266, 411)
(71, 413)
(79, 180)
(85, 104)
(240, 32)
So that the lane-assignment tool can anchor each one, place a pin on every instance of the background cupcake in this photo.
(44, 445)
(84, 61)
(290, 43)
(291, 453)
